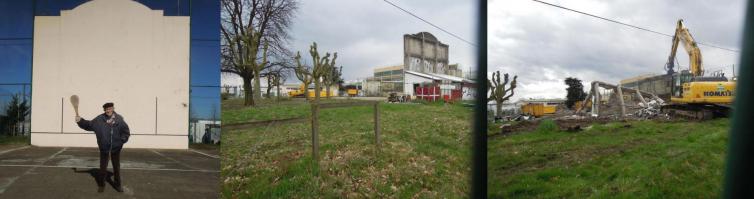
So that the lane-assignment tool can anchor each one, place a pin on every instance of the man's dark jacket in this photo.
(110, 137)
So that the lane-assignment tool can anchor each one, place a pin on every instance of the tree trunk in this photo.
(278, 88)
(269, 88)
(499, 109)
(317, 89)
(327, 89)
(247, 96)
(257, 87)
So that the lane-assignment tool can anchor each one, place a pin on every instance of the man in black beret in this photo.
(112, 132)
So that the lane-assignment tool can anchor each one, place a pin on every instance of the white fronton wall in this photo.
(116, 51)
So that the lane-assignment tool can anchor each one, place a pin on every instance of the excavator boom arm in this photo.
(682, 35)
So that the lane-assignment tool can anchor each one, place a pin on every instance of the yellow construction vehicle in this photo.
(352, 90)
(693, 94)
(538, 109)
(308, 92)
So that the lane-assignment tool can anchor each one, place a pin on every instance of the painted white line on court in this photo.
(87, 167)
(10, 182)
(208, 155)
(174, 160)
(7, 184)
(13, 149)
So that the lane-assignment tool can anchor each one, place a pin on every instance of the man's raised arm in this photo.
(84, 124)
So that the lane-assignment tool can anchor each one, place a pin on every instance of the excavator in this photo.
(695, 95)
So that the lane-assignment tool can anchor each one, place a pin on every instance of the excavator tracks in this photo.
(696, 111)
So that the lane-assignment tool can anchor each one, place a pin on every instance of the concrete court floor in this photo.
(54, 172)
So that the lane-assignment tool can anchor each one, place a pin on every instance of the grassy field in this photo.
(644, 159)
(425, 152)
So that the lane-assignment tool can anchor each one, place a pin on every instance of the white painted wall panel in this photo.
(116, 51)
(89, 140)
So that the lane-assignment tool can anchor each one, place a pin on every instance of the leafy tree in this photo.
(575, 91)
(15, 114)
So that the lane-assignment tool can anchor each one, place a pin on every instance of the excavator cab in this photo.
(678, 80)
(682, 83)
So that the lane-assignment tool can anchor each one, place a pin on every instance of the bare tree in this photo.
(279, 81)
(276, 76)
(250, 28)
(499, 93)
(303, 74)
(322, 67)
(333, 78)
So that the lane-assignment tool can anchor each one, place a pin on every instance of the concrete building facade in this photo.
(424, 53)
(660, 85)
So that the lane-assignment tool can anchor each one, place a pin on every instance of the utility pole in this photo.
(733, 67)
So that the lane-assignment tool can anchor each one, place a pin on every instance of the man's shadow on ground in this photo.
(94, 173)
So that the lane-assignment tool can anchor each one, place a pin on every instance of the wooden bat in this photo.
(75, 103)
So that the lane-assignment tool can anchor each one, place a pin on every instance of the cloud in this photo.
(543, 45)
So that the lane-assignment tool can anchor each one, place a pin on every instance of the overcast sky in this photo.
(369, 33)
(543, 45)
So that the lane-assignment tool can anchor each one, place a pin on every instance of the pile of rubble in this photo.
(650, 110)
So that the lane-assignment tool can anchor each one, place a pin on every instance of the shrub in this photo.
(547, 126)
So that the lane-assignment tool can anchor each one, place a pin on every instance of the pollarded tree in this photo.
(498, 91)
(303, 74)
(333, 78)
(322, 66)
(249, 28)
(244, 60)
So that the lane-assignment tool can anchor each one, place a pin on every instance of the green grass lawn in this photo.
(14, 140)
(425, 152)
(234, 112)
(648, 159)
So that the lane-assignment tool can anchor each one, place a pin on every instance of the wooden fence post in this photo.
(315, 133)
(377, 124)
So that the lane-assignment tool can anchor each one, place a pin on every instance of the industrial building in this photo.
(425, 73)
(156, 60)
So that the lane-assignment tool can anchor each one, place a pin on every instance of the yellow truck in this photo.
(538, 109)
(352, 90)
(301, 92)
